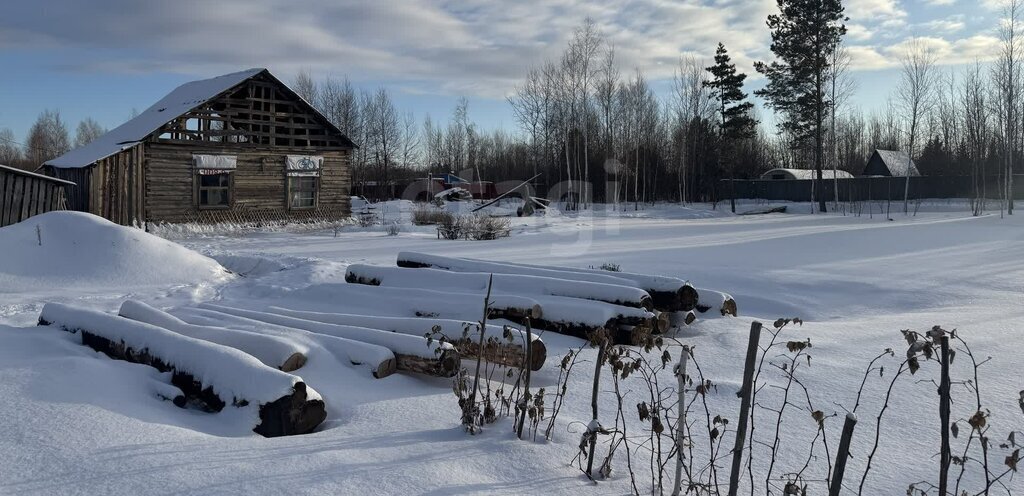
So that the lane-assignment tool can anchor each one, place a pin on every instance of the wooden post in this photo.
(681, 422)
(602, 346)
(944, 401)
(527, 365)
(842, 455)
(744, 394)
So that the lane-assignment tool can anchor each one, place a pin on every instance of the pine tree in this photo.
(805, 33)
(735, 122)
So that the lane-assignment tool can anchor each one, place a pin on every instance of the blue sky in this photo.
(102, 58)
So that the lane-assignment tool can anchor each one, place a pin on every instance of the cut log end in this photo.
(690, 317)
(538, 354)
(385, 368)
(663, 322)
(688, 297)
(293, 362)
(647, 303)
(291, 415)
(729, 307)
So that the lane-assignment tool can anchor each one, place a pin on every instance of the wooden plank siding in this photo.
(23, 195)
(259, 184)
(114, 191)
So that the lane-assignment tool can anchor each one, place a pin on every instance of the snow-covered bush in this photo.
(473, 227)
(427, 216)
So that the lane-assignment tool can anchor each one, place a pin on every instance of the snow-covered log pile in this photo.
(412, 353)
(273, 351)
(209, 375)
(572, 316)
(428, 278)
(502, 345)
(380, 360)
(668, 294)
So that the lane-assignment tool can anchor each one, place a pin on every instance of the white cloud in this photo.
(478, 47)
(951, 24)
(858, 32)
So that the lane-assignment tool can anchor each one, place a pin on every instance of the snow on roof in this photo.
(184, 98)
(14, 170)
(806, 174)
(897, 161)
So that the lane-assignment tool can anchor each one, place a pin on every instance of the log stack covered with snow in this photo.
(501, 345)
(667, 294)
(209, 375)
(412, 353)
(576, 308)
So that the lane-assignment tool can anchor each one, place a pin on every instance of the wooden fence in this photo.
(24, 194)
(869, 188)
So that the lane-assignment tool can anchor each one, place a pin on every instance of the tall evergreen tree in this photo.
(734, 122)
(805, 33)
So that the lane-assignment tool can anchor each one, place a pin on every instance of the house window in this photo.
(302, 191)
(213, 180)
(215, 190)
(303, 172)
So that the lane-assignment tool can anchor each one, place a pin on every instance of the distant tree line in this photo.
(580, 118)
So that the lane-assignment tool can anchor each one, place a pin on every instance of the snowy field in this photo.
(75, 422)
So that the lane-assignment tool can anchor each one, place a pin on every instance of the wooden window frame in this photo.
(197, 191)
(316, 192)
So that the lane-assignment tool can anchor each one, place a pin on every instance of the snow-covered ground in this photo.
(74, 421)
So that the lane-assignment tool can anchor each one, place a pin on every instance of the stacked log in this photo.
(428, 278)
(412, 353)
(207, 374)
(415, 302)
(502, 345)
(716, 300)
(668, 294)
(580, 318)
(380, 360)
(273, 351)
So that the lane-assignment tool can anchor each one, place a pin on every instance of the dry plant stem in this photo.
(753, 400)
(602, 346)
(681, 421)
(483, 326)
(878, 427)
(944, 455)
(977, 398)
(864, 380)
(562, 388)
(790, 372)
(713, 471)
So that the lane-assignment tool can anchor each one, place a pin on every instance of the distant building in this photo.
(890, 163)
(243, 147)
(783, 174)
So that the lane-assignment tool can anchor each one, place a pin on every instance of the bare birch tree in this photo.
(1007, 75)
(916, 97)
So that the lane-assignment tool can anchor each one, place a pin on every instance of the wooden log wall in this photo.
(23, 195)
(259, 184)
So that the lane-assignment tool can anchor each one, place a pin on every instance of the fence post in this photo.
(842, 455)
(744, 394)
(681, 422)
(944, 400)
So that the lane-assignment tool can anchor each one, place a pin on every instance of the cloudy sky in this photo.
(102, 58)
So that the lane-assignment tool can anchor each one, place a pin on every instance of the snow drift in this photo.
(80, 251)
